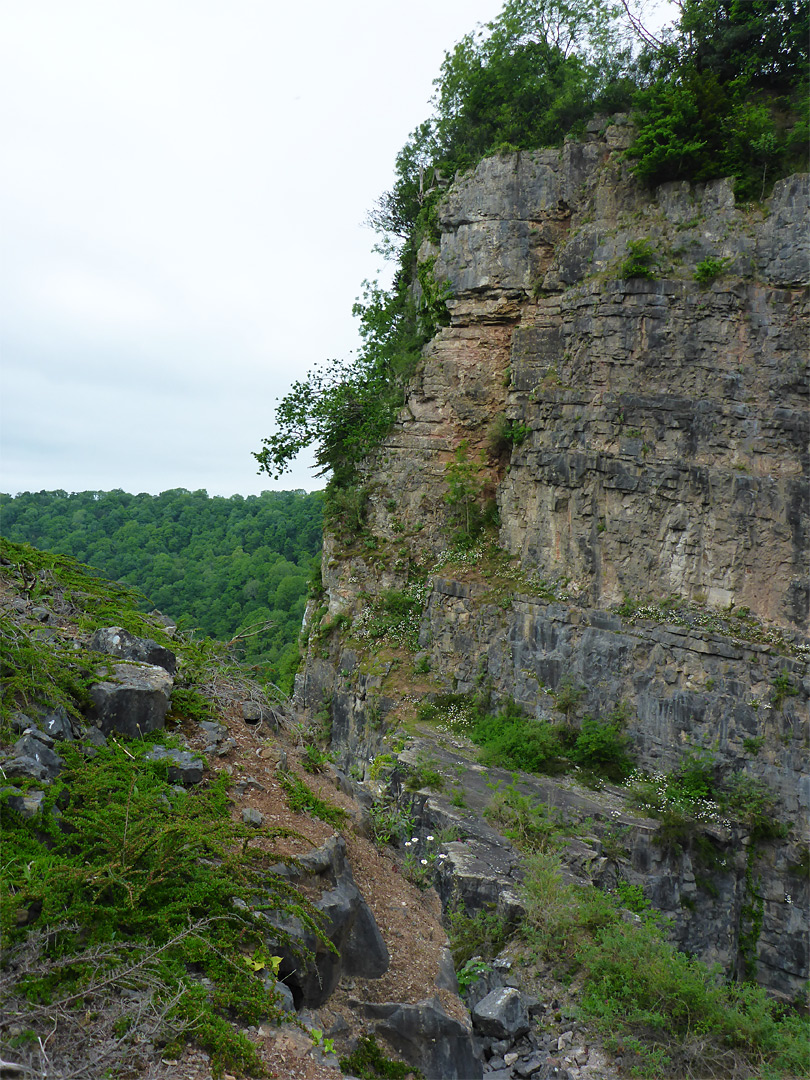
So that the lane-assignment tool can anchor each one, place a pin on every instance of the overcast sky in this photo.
(182, 197)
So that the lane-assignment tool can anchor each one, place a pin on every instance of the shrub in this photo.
(528, 825)
(710, 268)
(367, 1062)
(483, 934)
(301, 800)
(641, 260)
(602, 746)
(119, 866)
(503, 434)
(515, 741)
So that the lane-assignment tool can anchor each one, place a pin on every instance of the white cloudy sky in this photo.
(182, 195)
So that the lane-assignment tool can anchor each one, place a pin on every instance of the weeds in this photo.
(123, 863)
(483, 935)
(670, 1013)
(302, 800)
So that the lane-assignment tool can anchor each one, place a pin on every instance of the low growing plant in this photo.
(131, 883)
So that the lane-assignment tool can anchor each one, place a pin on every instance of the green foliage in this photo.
(602, 747)
(121, 859)
(514, 741)
(315, 760)
(465, 481)
(783, 686)
(641, 260)
(425, 774)
(390, 823)
(568, 696)
(346, 408)
(710, 268)
(632, 897)
(666, 1009)
(469, 974)
(238, 568)
(50, 668)
(302, 800)
(367, 1062)
(345, 510)
(726, 95)
(396, 615)
(529, 825)
(482, 935)
(503, 434)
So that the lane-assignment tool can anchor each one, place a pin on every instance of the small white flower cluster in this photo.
(660, 799)
(457, 719)
(739, 632)
(460, 556)
(420, 869)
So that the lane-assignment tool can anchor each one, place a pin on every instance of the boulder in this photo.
(115, 641)
(133, 700)
(427, 1038)
(57, 724)
(501, 1014)
(26, 803)
(184, 768)
(32, 757)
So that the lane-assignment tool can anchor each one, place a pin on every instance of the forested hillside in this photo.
(227, 565)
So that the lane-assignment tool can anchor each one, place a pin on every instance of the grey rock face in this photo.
(348, 924)
(115, 641)
(427, 1038)
(133, 701)
(665, 455)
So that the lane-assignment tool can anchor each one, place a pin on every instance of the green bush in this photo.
(483, 934)
(367, 1062)
(515, 741)
(710, 268)
(602, 747)
(302, 800)
(641, 260)
(529, 825)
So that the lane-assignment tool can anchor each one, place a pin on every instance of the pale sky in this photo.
(182, 195)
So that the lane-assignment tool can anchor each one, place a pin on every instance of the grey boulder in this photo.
(501, 1014)
(32, 757)
(115, 641)
(358, 948)
(133, 700)
(184, 768)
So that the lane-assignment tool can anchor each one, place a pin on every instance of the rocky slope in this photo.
(644, 437)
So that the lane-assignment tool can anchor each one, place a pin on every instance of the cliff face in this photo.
(653, 495)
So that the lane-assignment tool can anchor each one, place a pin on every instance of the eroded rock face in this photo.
(348, 923)
(663, 458)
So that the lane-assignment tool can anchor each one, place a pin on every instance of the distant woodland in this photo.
(225, 565)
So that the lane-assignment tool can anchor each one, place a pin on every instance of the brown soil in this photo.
(409, 920)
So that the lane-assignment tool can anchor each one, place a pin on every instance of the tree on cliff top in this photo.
(721, 93)
(524, 80)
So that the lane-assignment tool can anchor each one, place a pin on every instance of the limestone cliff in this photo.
(652, 493)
